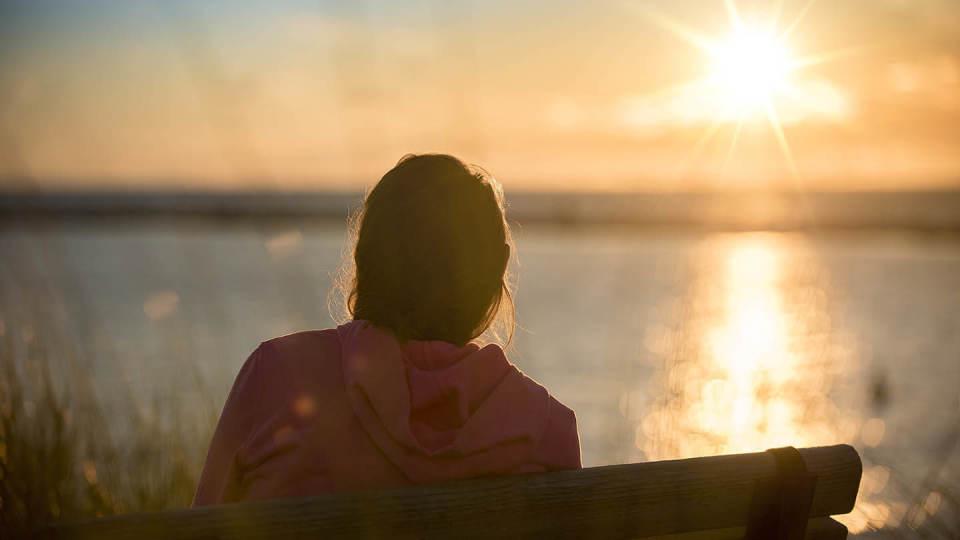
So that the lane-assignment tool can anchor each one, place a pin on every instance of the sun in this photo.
(748, 69)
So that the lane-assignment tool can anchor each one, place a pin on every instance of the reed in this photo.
(58, 460)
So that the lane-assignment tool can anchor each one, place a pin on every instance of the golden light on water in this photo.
(756, 363)
(756, 376)
(750, 350)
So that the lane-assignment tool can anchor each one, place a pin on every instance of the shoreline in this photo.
(923, 211)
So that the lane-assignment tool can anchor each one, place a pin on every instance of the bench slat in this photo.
(817, 529)
(617, 501)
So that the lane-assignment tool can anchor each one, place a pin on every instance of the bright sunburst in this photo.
(748, 71)
(749, 68)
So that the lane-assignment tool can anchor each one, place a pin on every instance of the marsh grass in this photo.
(58, 460)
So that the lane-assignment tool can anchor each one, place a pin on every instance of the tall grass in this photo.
(57, 458)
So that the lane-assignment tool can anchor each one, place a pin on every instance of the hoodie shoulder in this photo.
(560, 445)
(299, 341)
(301, 345)
(301, 354)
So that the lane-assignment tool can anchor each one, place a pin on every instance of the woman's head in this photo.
(431, 254)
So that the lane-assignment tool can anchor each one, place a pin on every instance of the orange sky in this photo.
(547, 95)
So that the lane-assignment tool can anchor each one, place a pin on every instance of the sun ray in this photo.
(800, 16)
(701, 144)
(826, 57)
(706, 137)
(733, 144)
(781, 139)
(806, 211)
(684, 32)
(775, 13)
(733, 14)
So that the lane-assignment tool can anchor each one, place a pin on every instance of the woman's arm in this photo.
(220, 478)
(560, 445)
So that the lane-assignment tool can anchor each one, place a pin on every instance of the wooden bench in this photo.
(757, 495)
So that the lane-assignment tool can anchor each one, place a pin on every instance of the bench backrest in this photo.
(707, 497)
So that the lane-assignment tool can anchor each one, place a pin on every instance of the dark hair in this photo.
(431, 252)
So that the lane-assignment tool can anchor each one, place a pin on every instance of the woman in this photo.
(401, 394)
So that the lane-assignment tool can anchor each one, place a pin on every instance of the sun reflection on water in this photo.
(755, 363)
(751, 353)
(756, 375)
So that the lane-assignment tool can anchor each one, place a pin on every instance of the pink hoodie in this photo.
(352, 408)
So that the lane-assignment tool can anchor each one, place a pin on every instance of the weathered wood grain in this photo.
(619, 501)
(817, 529)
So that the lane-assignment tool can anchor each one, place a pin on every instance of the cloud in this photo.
(934, 80)
(810, 101)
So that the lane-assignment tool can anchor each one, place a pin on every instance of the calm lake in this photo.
(666, 344)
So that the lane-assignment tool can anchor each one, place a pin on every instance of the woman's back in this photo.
(400, 395)
(352, 408)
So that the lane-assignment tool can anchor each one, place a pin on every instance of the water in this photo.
(667, 344)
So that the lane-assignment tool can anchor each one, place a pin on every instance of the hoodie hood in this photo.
(441, 412)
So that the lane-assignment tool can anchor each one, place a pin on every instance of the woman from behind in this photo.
(401, 394)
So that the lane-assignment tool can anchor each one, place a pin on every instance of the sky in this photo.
(672, 95)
